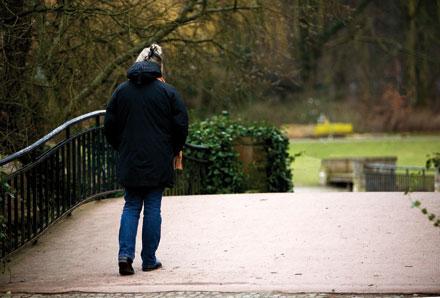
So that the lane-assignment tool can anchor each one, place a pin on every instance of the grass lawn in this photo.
(410, 151)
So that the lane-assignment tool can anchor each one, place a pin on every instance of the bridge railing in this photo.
(69, 166)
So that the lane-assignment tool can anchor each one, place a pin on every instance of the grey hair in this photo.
(152, 53)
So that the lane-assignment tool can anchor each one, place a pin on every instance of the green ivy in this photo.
(225, 174)
(431, 216)
(433, 161)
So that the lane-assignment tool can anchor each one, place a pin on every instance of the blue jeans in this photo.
(150, 228)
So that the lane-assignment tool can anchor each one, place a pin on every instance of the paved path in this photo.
(201, 294)
(259, 243)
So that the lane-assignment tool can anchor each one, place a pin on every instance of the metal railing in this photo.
(67, 167)
(385, 177)
(190, 180)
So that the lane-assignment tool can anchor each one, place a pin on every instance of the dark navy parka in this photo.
(147, 123)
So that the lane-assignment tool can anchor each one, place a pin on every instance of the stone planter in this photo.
(253, 156)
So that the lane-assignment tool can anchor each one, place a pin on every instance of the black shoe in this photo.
(152, 267)
(125, 267)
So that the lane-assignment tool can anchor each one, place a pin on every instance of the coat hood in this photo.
(144, 72)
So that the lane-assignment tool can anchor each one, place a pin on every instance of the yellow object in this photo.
(327, 128)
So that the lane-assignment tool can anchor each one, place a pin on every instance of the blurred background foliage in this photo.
(372, 63)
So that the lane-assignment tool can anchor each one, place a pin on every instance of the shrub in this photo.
(225, 174)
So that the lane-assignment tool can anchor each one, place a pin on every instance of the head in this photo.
(152, 53)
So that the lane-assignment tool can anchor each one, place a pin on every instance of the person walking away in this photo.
(146, 121)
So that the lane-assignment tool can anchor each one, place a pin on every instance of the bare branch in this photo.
(157, 37)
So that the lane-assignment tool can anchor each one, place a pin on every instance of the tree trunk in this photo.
(411, 58)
